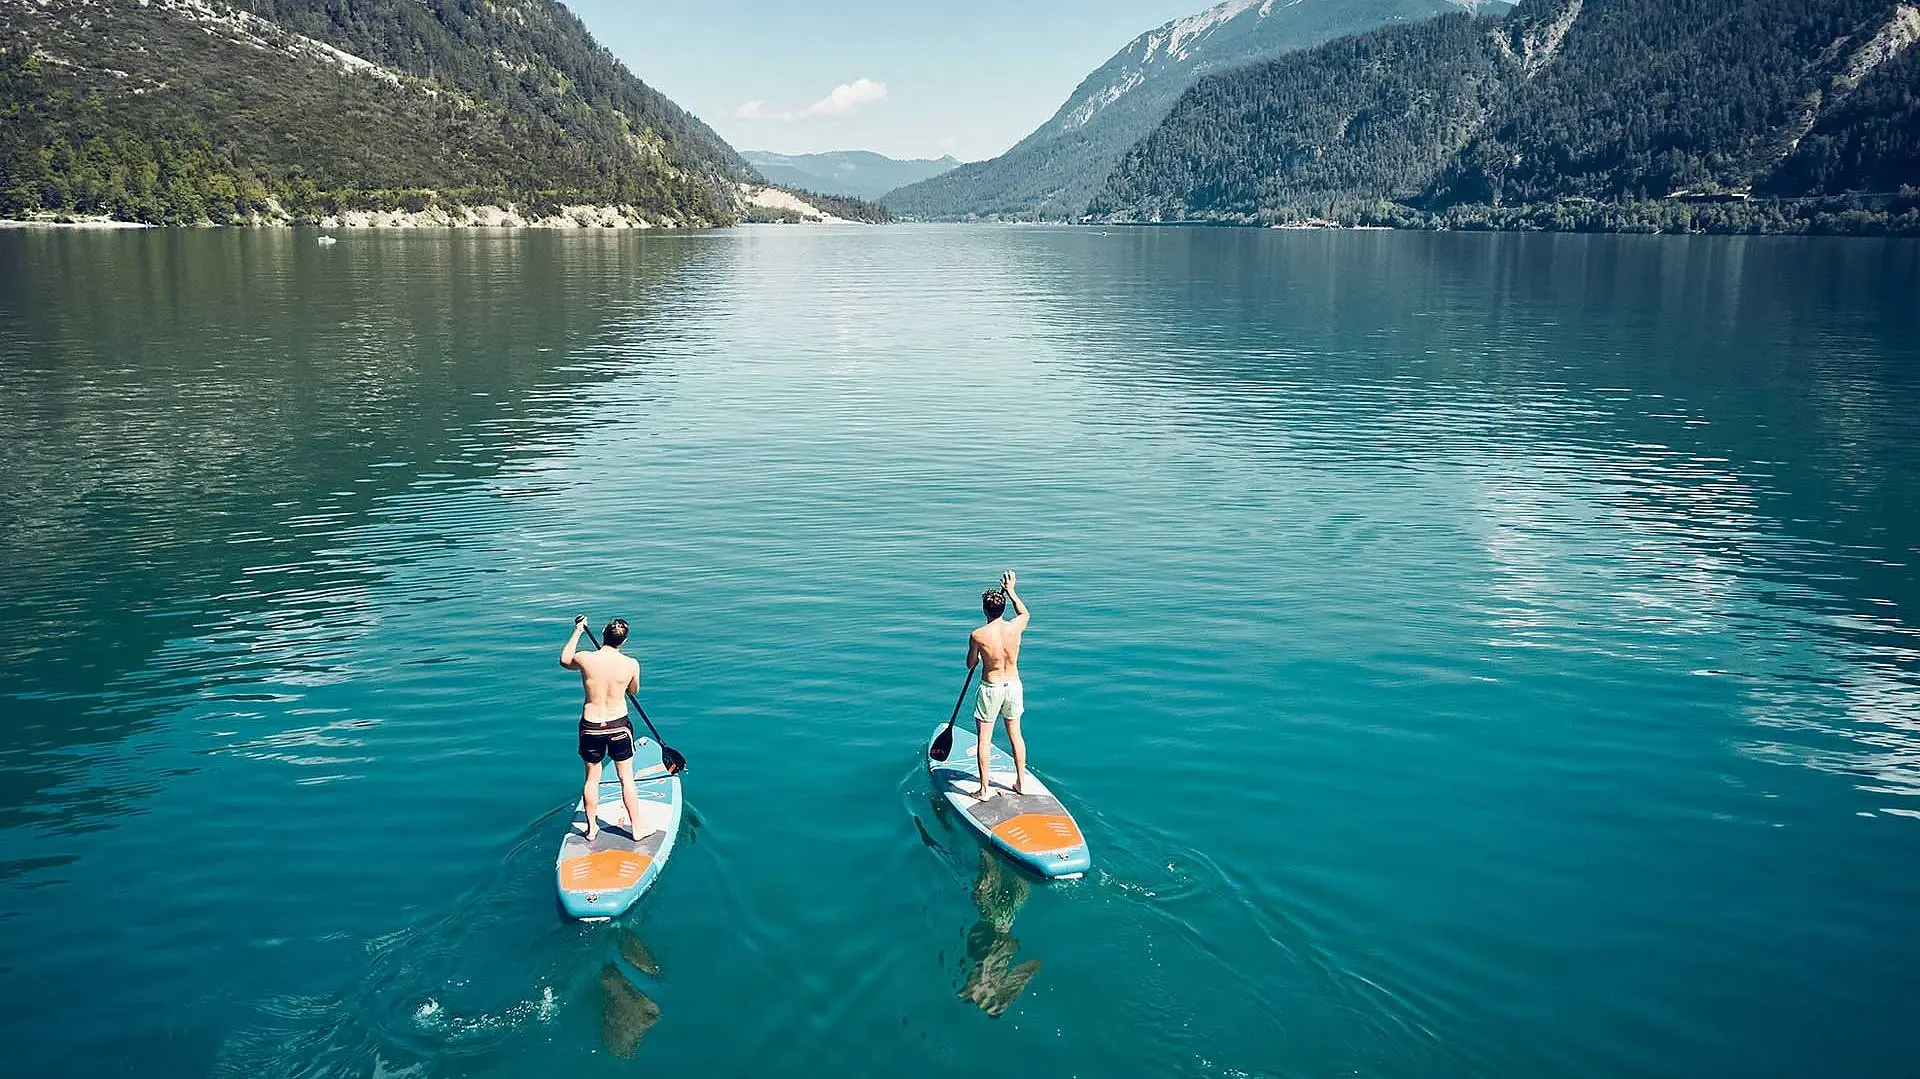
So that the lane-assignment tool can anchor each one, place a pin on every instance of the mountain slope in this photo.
(1712, 95)
(182, 110)
(860, 173)
(1056, 169)
(1563, 103)
(1868, 139)
(1361, 119)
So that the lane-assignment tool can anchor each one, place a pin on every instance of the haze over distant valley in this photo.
(860, 173)
(1055, 171)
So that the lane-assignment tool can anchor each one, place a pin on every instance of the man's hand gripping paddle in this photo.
(675, 761)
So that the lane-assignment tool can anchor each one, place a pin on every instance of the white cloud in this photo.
(845, 98)
(849, 96)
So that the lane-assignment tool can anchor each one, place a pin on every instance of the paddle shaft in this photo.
(635, 701)
(943, 745)
(964, 686)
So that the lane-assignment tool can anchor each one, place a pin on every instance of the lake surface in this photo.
(1468, 655)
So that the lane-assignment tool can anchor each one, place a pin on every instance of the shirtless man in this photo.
(607, 675)
(997, 644)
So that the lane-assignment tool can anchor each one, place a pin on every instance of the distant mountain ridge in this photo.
(1055, 171)
(1593, 114)
(193, 110)
(859, 173)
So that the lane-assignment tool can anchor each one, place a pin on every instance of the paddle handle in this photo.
(631, 699)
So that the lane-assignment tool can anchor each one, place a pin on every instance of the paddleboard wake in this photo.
(602, 879)
(1031, 828)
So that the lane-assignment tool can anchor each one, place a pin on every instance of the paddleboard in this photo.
(1032, 828)
(600, 880)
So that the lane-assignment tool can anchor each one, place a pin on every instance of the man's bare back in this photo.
(607, 675)
(997, 646)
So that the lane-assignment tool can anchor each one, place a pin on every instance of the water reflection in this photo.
(1480, 590)
(993, 980)
(208, 434)
(627, 1013)
(1691, 456)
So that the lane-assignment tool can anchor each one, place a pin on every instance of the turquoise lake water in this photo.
(1468, 656)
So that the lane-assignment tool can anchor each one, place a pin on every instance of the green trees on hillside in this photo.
(532, 56)
(1055, 171)
(1361, 119)
(1868, 141)
(846, 207)
(138, 112)
(1649, 97)
(61, 154)
(1635, 115)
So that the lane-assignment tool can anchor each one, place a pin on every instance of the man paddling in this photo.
(997, 645)
(607, 674)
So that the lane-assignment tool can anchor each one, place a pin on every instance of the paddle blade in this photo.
(942, 745)
(674, 760)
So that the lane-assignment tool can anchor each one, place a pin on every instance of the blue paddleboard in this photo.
(600, 880)
(1031, 828)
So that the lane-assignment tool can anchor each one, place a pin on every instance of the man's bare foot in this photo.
(593, 832)
(984, 792)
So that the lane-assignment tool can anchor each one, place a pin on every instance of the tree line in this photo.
(1617, 115)
(137, 113)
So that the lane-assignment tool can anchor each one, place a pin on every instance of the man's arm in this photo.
(1020, 618)
(973, 651)
(568, 653)
(633, 684)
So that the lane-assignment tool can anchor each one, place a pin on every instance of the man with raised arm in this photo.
(607, 675)
(997, 645)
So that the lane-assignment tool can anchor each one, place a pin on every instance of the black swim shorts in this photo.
(599, 743)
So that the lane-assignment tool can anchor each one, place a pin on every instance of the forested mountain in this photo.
(858, 173)
(184, 110)
(1056, 169)
(1564, 113)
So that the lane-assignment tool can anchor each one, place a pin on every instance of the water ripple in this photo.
(1468, 655)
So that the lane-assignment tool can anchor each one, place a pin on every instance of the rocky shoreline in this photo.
(437, 215)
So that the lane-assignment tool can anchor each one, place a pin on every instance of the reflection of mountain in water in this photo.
(182, 462)
(1675, 434)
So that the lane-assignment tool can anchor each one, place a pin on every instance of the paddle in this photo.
(943, 745)
(675, 761)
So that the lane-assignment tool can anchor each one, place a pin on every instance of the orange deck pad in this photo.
(1035, 833)
(604, 871)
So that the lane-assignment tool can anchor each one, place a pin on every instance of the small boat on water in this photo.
(328, 240)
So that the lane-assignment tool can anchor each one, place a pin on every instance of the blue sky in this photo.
(905, 78)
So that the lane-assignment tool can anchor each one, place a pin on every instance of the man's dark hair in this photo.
(994, 602)
(615, 634)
